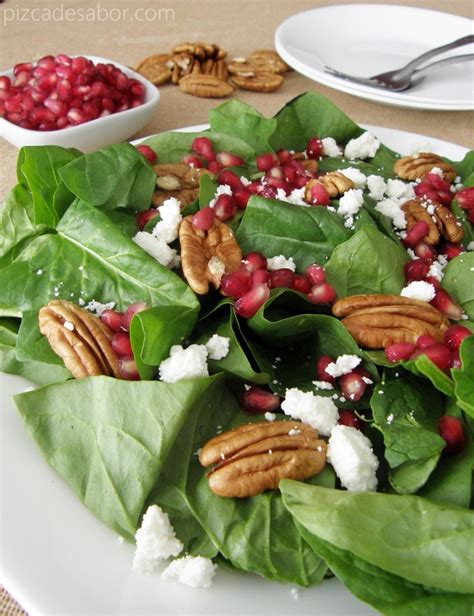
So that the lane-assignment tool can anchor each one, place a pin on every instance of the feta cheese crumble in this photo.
(399, 189)
(156, 248)
(355, 175)
(280, 261)
(330, 147)
(350, 202)
(184, 363)
(68, 325)
(194, 571)
(270, 416)
(222, 189)
(217, 347)
(392, 209)
(97, 308)
(167, 228)
(365, 146)
(343, 365)
(419, 289)
(351, 455)
(317, 411)
(323, 385)
(377, 186)
(296, 196)
(155, 540)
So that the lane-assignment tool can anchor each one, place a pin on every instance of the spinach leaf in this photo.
(423, 366)
(308, 234)
(407, 536)
(207, 190)
(464, 377)
(368, 262)
(465, 167)
(458, 280)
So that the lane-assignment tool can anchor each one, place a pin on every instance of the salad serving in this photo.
(272, 366)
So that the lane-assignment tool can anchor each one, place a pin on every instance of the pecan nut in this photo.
(81, 339)
(415, 211)
(438, 217)
(268, 60)
(260, 81)
(416, 166)
(177, 180)
(155, 68)
(205, 86)
(447, 223)
(207, 255)
(335, 183)
(255, 457)
(377, 321)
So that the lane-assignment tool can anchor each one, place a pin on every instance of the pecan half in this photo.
(155, 68)
(177, 180)
(269, 60)
(81, 339)
(416, 166)
(415, 211)
(255, 457)
(335, 183)
(447, 223)
(205, 86)
(200, 248)
(260, 81)
(438, 217)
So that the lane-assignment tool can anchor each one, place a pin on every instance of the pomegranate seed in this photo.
(78, 64)
(352, 386)
(301, 181)
(258, 400)
(76, 116)
(314, 148)
(63, 59)
(268, 192)
(241, 197)
(121, 82)
(121, 344)
(454, 335)
(301, 284)
(112, 319)
(416, 234)
(228, 177)
(275, 173)
(322, 294)
(282, 277)
(300, 170)
(434, 281)
(203, 146)
(137, 88)
(57, 107)
(227, 159)
(143, 217)
(254, 187)
(315, 274)
(247, 305)
(254, 261)
(128, 369)
(38, 95)
(13, 105)
(470, 216)
(437, 353)
(214, 167)
(349, 418)
(400, 351)
(321, 365)
(445, 304)
(41, 114)
(23, 67)
(98, 89)
(451, 251)
(265, 161)
(284, 157)
(289, 172)
(450, 429)
(108, 104)
(279, 185)
(236, 284)
(416, 269)
(455, 360)
(27, 103)
(427, 191)
(464, 197)
(260, 277)
(91, 110)
(424, 341)
(436, 181)
(5, 83)
(148, 153)
(46, 126)
(193, 161)
(425, 251)
(318, 195)
(21, 79)
(47, 62)
(224, 207)
(131, 311)
(204, 219)
(24, 124)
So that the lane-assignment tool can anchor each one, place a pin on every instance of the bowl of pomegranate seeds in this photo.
(84, 102)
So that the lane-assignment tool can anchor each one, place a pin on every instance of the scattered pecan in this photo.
(199, 248)
(177, 180)
(205, 86)
(81, 339)
(255, 457)
(377, 321)
(416, 166)
(310, 164)
(440, 221)
(335, 183)
(260, 81)
(415, 211)
(447, 224)
(269, 60)
(155, 68)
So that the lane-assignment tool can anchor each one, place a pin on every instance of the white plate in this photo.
(366, 39)
(57, 558)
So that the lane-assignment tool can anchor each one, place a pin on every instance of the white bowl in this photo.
(96, 133)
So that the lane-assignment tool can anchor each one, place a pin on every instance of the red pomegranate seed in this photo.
(301, 181)
(260, 277)
(57, 107)
(436, 181)
(434, 281)
(300, 170)
(438, 353)
(416, 234)
(321, 365)
(314, 148)
(214, 167)
(203, 147)
(128, 369)
(451, 251)
(13, 105)
(38, 95)
(254, 187)
(236, 284)
(450, 429)
(193, 161)
(424, 341)
(79, 64)
(464, 197)
(275, 173)
(284, 157)
(289, 173)
(416, 269)
(112, 319)
(399, 351)
(470, 216)
(108, 104)
(268, 192)
(425, 251)
(254, 261)
(445, 304)
(121, 344)
(315, 274)
(41, 114)
(242, 196)
(322, 294)
(63, 59)
(91, 110)
(143, 217)
(21, 79)
(352, 386)
(5, 83)
(121, 82)
(224, 207)
(279, 185)
(148, 153)
(247, 305)
(282, 277)
(318, 195)
(227, 159)
(349, 418)
(258, 400)
(301, 284)
(46, 126)
(455, 360)
(98, 89)
(76, 116)
(228, 177)
(204, 219)
(131, 311)
(265, 161)
(454, 335)
(137, 89)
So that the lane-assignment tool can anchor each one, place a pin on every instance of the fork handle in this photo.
(421, 72)
(406, 70)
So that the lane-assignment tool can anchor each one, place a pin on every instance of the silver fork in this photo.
(406, 76)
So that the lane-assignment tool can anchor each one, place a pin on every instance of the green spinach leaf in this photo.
(458, 280)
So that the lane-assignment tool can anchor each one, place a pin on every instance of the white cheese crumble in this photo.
(330, 147)
(194, 571)
(155, 540)
(323, 385)
(245, 181)
(317, 411)
(39, 272)
(436, 267)
(184, 363)
(350, 202)
(296, 196)
(279, 262)
(392, 209)
(97, 308)
(365, 146)
(470, 246)
(222, 189)
(343, 365)
(68, 325)
(419, 289)
(294, 432)
(167, 228)
(217, 347)
(399, 189)
(156, 248)
(355, 175)
(270, 416)
(351, 455)
(437, 171)
(216, 267)
(377, 186)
